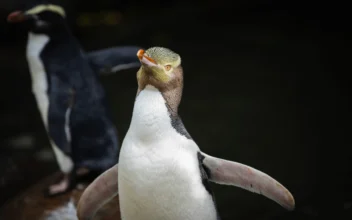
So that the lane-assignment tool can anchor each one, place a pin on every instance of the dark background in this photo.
(264, 86)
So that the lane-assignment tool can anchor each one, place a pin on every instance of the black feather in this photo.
(205, 175)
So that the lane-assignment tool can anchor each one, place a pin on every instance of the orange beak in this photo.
(16, 16)
(145, 59)
(140, 54)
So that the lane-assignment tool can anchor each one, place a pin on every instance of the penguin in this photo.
(71, 100)
(162, 174)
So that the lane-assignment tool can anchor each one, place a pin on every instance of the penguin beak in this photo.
(17, 16)
(144, 59)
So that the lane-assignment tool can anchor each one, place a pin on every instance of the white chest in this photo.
(159, 176)
(35, 45)
(150, 118)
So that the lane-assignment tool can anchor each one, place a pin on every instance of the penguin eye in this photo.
(168, 67)
(41, 23)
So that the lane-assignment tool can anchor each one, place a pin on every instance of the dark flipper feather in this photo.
(114, 59)
(205, 175)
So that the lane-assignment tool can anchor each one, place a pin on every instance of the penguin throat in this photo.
(35, 45)
(171, 91)
(151, 117)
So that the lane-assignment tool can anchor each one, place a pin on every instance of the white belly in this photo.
(36, 44)
(159, 177)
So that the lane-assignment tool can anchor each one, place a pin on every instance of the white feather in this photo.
(36, 43)
(124, 66)
(67, 124)
(159, 176)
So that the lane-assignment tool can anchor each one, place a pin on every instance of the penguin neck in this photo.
(151, 118)
(61, 44)
(171, 91)
(35, 45)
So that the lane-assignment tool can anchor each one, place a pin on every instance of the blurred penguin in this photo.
(70, 98)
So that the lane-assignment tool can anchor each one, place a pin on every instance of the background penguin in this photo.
(71, 100)
(162, 173)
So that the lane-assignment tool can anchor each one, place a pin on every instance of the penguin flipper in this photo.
(231, 173)
(204, 172)
(112, 60)
(99, 192)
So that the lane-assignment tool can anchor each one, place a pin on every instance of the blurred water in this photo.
(66, 212)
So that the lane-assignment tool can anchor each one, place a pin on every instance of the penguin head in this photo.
(40, 18)
(160, 68)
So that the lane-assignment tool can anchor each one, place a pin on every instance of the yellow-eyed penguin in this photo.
(162, 174)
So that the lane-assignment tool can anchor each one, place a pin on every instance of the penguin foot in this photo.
(67, 182)
(63, 185)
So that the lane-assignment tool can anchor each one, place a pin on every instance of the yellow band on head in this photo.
(40, 8)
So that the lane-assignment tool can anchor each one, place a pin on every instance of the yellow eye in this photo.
(168, 67)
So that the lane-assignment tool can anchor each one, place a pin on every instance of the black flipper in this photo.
(114, 59)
